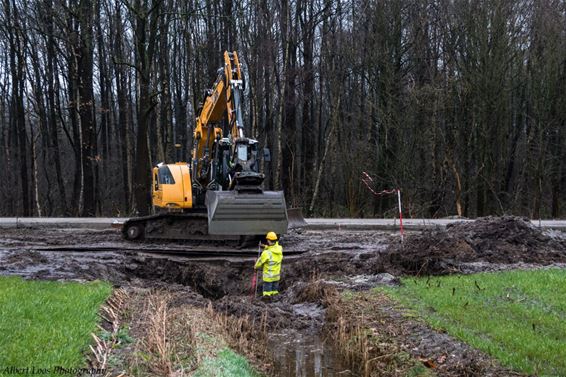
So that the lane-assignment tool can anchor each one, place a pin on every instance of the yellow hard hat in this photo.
(271, 236)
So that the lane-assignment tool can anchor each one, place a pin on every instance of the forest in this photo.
(460, 104)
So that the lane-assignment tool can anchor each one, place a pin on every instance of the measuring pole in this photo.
(253, 291)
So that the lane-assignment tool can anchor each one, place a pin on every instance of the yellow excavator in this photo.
(218, 194)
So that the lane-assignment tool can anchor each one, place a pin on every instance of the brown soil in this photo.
(285, 311)
(355, 260)
(504, 240)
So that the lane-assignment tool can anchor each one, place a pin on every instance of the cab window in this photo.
(164, 176)
(242, 152)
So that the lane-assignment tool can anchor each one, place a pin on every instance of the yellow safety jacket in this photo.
(270, 259)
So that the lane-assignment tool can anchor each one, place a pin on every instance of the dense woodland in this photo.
(459, 103)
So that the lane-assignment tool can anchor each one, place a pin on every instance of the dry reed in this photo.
(111, 313)
(245, 333)
(363, 349)
(157, 340)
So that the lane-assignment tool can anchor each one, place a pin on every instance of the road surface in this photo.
(313, 223)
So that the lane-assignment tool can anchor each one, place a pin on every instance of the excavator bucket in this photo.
(246, 213)
(296, 218)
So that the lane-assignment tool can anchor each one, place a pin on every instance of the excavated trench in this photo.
(215, 279)
(209, 279)
(355, 260)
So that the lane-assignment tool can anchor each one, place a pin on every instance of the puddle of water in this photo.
(305, 353)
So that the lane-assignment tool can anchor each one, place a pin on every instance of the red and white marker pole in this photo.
(367, 180)
(400, 214)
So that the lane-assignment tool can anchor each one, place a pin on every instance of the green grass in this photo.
(44, 324)
(227, 363)
(519, 317)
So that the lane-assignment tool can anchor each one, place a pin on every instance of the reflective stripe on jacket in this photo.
(270, 259)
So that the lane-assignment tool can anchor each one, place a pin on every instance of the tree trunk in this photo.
(145, 48)
(86, 106)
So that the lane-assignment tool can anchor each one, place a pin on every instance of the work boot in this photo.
(266, 299)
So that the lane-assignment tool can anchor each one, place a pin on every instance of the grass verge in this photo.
(518, 316)
(46, 324)
(227, 364)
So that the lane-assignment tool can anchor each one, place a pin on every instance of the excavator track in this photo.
(172, 226)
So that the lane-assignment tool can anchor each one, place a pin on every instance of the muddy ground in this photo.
(331, 261)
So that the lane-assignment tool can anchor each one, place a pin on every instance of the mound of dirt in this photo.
(504, 240)
(300, 306)
(272, 315)
(318, 292)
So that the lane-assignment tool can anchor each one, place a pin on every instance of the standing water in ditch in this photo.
(305, 353)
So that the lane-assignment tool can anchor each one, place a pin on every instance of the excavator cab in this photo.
(246, 165)
(171, 187)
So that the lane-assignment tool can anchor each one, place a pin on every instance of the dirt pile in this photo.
(299, 306)
(314, 291)
(505, 240)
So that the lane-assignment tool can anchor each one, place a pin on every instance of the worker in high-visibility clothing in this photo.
(270, 259)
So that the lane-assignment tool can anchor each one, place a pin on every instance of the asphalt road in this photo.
(313, 223)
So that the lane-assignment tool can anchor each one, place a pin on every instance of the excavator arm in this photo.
(234, 93)
(207, 130)
(228, 161)
(223, 98)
